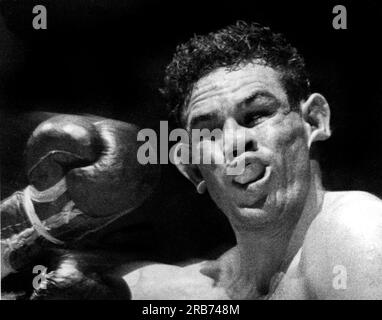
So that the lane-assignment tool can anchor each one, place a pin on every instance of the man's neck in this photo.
(259, 256)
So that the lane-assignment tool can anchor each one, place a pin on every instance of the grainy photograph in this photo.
(204, 150)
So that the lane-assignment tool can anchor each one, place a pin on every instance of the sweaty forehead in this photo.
(224, 88)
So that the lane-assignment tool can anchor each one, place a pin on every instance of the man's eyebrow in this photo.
(210, 116)
(203, 117)
(255, 95)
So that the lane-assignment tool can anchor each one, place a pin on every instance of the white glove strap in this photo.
(48, 195)
(35, 220)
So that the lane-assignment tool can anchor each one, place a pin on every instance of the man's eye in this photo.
(256, 118)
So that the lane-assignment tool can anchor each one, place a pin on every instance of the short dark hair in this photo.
(229, 47)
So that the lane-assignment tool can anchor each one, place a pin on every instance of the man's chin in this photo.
(254, 217)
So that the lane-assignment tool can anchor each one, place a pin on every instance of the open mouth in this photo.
(253, 172)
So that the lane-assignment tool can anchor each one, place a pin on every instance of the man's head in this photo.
(248, 80)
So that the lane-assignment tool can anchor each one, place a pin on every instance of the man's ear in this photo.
(316, 113)
(183, 162)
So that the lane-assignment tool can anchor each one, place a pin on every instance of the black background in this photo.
(108, 57)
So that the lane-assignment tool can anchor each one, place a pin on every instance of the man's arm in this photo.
(170, 282)
(342, 253)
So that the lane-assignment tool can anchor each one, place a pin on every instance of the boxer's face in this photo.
(252, 102)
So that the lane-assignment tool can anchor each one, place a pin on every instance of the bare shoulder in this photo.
(342, 252)
(171, 282)
(351, 213)
(347, 210)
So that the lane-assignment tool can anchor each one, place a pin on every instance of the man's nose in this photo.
(237, 139)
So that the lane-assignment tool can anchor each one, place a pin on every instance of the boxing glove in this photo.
(81, 276)
(83, 175)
